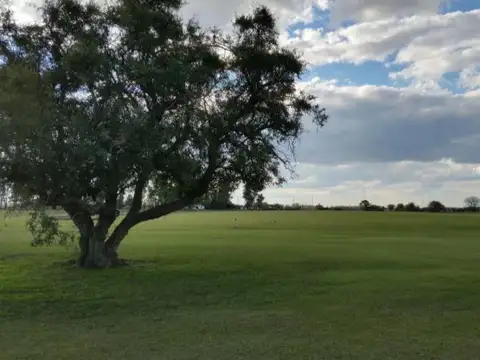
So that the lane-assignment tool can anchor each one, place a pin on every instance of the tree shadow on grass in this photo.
(159, 286)
(142, 287)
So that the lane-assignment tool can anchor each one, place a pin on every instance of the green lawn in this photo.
(284, 285)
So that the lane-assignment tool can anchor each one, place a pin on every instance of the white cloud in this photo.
(451, 44)
(25, 11)
(380, 183)
(428, 46)
(469, 78)
(221, 12)
(370, 10)
(387, 124)
(28, 11)
(213, 12)
(389, 145)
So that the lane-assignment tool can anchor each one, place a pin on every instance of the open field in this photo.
(284, 285)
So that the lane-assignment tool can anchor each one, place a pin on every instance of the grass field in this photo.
(284, 285)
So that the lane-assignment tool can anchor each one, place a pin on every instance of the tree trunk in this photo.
(113, 242)
(111, 253)
(83, 245)
(91, 253)
(95, 251)
(95, 257)
(98, 253)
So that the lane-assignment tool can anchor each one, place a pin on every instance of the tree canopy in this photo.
(98, 102)
(436, 206)
(472, 203)
(364, 204)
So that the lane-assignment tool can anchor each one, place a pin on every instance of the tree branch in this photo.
(134, 217)
(80, 218)
(200, 187)
(138, 195)
(79, 205)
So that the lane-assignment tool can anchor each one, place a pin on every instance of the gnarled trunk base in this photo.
(98, 255)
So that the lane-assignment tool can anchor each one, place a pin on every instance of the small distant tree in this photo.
(249, 195)
(411, 207)
(472, 203)
(128, 201)
(320, 207)
(277, 206)
(294, 206)
(3, 196)
(260, 201)
(391, 207)
(218, 198)
(121, 201)
(400, 207)
(374, 207)
(435, 206)
(364, 204)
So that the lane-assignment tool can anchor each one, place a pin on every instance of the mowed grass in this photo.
(269, 285)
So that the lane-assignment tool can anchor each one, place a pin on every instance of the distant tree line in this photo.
(472, 204)
(220, 199)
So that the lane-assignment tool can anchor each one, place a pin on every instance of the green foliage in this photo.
(411, 207)
(46, 230)
(436, 206)
(364, 204)
(400, 207)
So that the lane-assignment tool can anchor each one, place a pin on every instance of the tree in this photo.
(276, 206)
(249, 196)
(364, 204)
(400, 207)
(472, 203)
(127, 203)
(126, 95)
(373, 207)
(218, 198)
(3, 196)
(260, 201)
(391, 207)
(411, 207)
(435, 206)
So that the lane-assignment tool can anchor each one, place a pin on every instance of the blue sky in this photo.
(401, 83)
(372, 72)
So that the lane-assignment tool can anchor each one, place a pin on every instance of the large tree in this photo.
(97, 102)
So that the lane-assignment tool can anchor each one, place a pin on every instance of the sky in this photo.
(401, 83)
